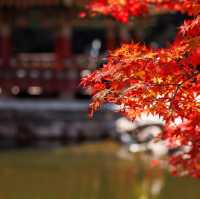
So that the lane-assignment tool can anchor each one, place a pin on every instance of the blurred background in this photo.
(48, 146)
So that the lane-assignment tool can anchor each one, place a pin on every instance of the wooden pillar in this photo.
(5, 46)
(124, 35)
(110, 40)
(110, 37)
(63, 47)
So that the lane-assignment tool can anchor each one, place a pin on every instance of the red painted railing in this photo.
(50, 80)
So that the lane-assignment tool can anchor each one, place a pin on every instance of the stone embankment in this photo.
(29, 120)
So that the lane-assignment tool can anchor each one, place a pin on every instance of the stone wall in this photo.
(26, 121)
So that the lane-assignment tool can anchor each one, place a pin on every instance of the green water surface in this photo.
(88, 171)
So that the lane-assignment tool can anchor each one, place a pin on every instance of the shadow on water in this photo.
(41, 144)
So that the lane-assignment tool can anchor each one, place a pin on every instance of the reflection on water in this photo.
(89, 171)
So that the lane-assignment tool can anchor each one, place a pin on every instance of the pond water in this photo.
(87, 171)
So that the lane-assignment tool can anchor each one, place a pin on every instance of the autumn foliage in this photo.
(164, 82)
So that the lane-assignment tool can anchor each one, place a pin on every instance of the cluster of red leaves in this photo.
(187, 136)
(122, 9)
(164, 82)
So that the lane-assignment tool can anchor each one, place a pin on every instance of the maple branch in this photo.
(179, 86)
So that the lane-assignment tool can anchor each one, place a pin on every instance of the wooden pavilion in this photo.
(44, 45)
